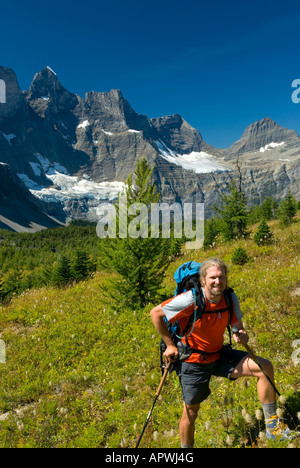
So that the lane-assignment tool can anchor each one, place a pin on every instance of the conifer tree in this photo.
(62, 275)
(140, 260)
(233, 212)
(287, 210)
(82, 266)
(263, 235)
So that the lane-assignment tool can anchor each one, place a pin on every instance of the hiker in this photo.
(206, 356)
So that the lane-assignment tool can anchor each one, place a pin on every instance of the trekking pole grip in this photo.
(163, 378)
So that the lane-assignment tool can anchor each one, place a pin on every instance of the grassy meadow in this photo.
(81, 372)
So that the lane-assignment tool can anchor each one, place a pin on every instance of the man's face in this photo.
(214, 283)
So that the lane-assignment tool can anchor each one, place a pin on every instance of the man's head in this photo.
(213, 278)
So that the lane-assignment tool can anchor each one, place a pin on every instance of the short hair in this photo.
(211, 262)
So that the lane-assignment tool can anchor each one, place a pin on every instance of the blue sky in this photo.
(221, 65)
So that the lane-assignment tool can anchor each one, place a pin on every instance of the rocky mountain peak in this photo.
(47, 95)
(259, 135)
(112, 112)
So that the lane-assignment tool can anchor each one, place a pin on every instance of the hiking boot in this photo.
(277, 430)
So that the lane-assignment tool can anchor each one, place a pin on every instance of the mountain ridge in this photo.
(51, 138)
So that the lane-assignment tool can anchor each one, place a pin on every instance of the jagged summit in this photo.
(47, 95)
(44, 84)
(261, 134)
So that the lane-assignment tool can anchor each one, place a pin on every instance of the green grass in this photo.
(80, 372)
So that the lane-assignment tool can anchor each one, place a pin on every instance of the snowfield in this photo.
(199, 162)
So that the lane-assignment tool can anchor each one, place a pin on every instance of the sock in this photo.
(269, 409)
(184, 446)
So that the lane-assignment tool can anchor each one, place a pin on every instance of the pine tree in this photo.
(233, 212)
(62, 275)
(140, 260)
(287, 210)
(239, 256)
(81, 267)
(211, 231)
(263, 235)
(268, 209)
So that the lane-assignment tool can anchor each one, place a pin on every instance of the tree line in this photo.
(61, 256)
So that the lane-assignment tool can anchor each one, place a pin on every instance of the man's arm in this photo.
(243, 336)
(157, 316)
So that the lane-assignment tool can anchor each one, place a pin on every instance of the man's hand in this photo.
(171, 353)
(241, 337)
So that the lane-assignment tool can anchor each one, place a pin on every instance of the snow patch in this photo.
(66, 187)
(44, 162)
(107, 133)
(36, 169)
(270, 146)
(199, 162)
(9, 137)
(84, 124)
(51, 71)
(133, 131)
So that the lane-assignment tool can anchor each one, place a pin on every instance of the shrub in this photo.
(239, 256)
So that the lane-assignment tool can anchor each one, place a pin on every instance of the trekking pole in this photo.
(154, 401)
(255, 359)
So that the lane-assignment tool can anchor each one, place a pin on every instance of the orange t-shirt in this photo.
(208, 332)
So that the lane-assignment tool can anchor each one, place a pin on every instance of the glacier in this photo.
(199, 162)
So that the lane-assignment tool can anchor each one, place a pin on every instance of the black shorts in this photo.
(195, 378)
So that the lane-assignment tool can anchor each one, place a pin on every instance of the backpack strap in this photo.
(229, 302)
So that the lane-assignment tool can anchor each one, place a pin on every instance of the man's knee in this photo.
(191, 412)
(267, 367)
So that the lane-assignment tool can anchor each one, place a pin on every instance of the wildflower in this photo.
(20, 426)
(123, 442)
(207, 425)
(248, 419)
(258, 415)
(262, 436)
(280, 413)
(229, 440)
(282, 399)
(155, 435)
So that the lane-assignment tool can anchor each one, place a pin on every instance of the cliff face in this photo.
(74, 154)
